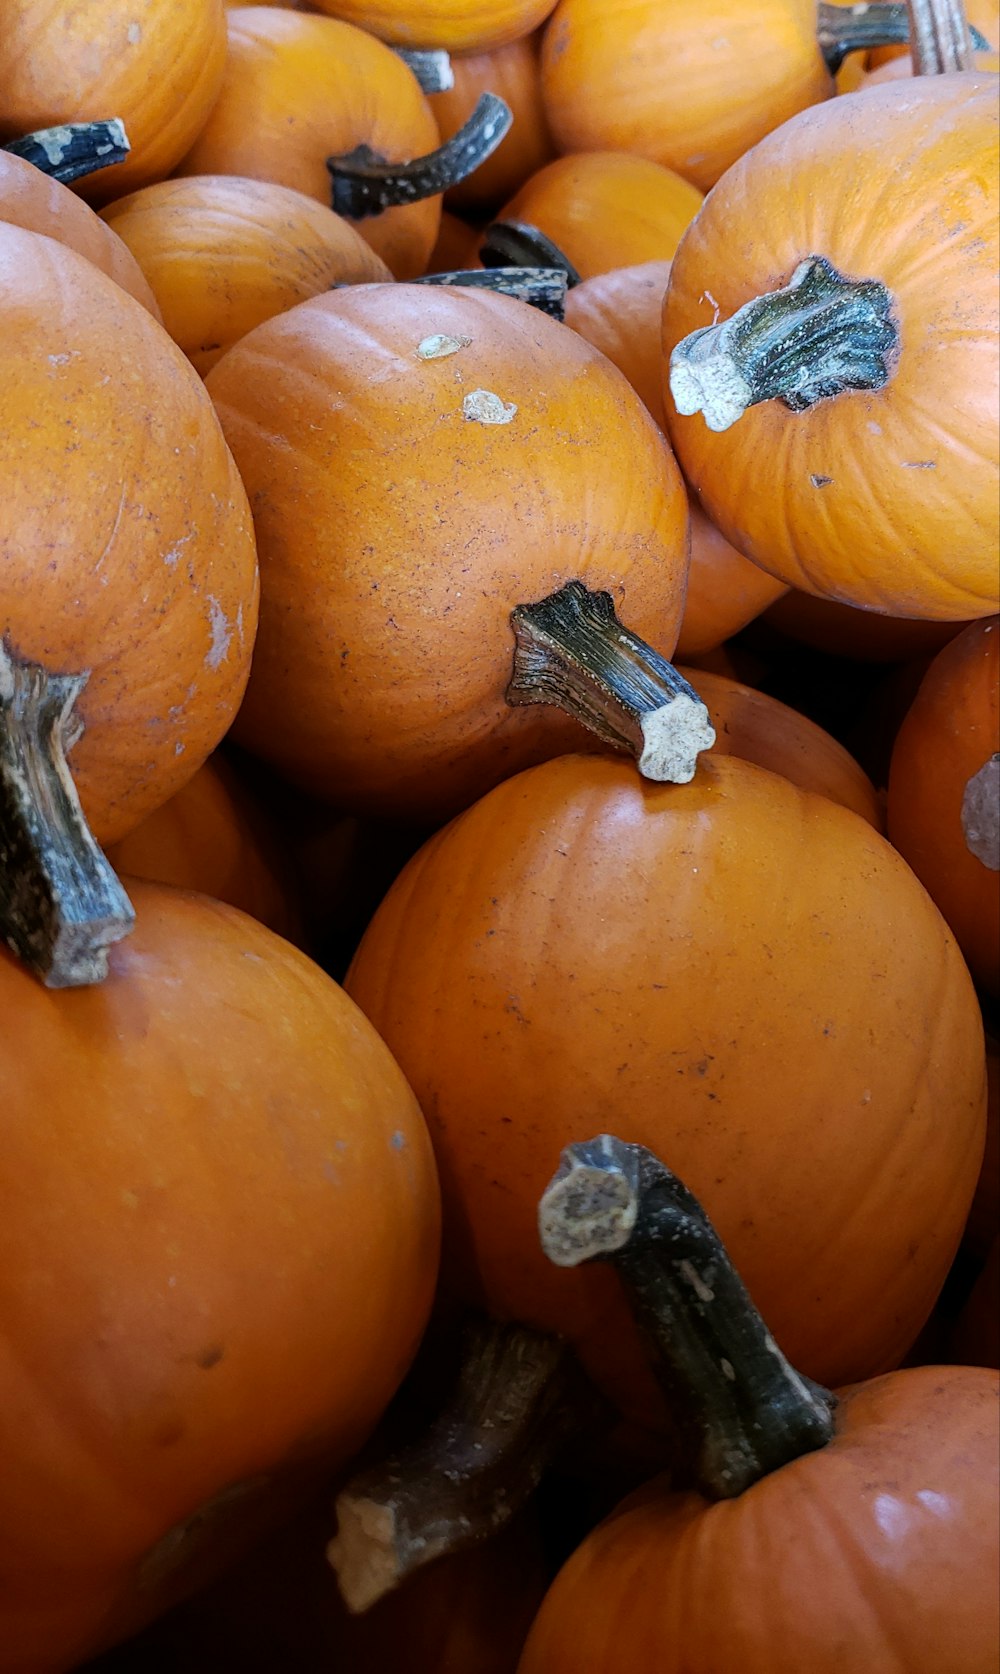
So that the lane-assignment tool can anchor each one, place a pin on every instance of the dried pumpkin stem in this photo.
(61, 905)
(940, 37)
(521, 1395)
(365, 184)
(819, 336)
(517, 243)
(539, 287)
(738, 1405)
(432, 68)
(74, 149)
(572, 651)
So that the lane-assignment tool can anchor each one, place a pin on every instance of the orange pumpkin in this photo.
(299, 89)
(158, 68)
(222, 253)
(453, 24)
(457, 246)
(881, 488)
(944, 792)
(984, 1215)
(842, 630)
(511, 72)
(735, 971)
(390, 571)
(216, 1267)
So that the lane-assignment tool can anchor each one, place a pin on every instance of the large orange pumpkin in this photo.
(455, 25)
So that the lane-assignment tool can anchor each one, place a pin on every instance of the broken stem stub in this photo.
(521, 1395)
(540, 287)
(739, 1407)
(572, 651)
(518, 244)
(431, 66)
(61, 904)
(74, 149)
(364, 183)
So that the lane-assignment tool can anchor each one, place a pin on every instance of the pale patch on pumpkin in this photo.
(487, 408)
(222, 634)
(440, 345)
(981, 814)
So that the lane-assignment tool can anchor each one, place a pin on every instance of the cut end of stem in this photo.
(589, 1208)
(363, 1552)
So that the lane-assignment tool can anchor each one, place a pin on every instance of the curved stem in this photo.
(819, 336)
(365, 184)
(73, 150)
(432, 68)
(517, 244)
(520, 1396)
(741, 1408)
(573, 652)
(845, 29)
(940, 37)
(61, 904)
(539, 287)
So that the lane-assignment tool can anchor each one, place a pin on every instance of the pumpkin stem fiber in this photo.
(61, 904)
(540, 287)
(819, 336)
(432, 68)
(521, 1395)
(518, 243)
(846, 29)
(365, 184)
(940, 38)
(572, 651)
(74, 149)
(740, 1409)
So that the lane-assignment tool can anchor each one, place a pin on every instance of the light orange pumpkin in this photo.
(511, 72)
(453, 24)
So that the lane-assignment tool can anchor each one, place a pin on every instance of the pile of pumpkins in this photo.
(362, 852)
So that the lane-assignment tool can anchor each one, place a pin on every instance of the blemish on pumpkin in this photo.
(818, 481)
(919, 464)
(440, 345)
(222, 634)
(209, 1357)
(398, 1141)
(486, 408)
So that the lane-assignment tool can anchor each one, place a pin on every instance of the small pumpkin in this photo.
(512, 72)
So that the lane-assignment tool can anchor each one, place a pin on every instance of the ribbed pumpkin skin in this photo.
(126, 543)
(691, 85)
(877, 1553)
(222, 254)
(607, 209)
(397, 534)
(512, 73)
(738, 974)
(29, 199)
(453, 24)
(159, 67)
(949, 735)
(216, 1255)
(884, 499)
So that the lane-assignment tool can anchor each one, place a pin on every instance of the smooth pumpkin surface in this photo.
(512, 73)
(298, 89)
(842, 630)
(456, 25)
(949, 834)
(398, 531)
(217, 1254)
(158, 67)
(878, 1552)
(736, 973)
(126, 543)
(886, 498)
(457, 246)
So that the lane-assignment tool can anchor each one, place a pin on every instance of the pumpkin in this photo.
(453, 24)
(882, 482)
(606, 209)
(842, 630)
(457, 246)
(218, 1252)
(862, 1537)
(157, 67)
(984, 1215)
(944, 792)
(798, 1029)
(298, 89)
(512, 72)
(222, 254)
(421, 461)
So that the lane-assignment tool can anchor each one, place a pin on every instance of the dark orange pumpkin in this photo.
(511, 72)
(842, 630)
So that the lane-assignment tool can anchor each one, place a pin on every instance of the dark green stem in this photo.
(738, 1405)
(365, 184)
(572, 651)
(539, 287)
(432, 68)
(517, 244)
(75, 149)
(819, 336)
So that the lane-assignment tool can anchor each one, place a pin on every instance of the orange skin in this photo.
(397, 534)
(878, 1552)
(157, 67)
(299, 89)
(984, 1216)
(512, 73)
(842, 630)
(453, 24)
(606, 209)
(884, 499)
(949, 734)
(29, 199)
(222, 254)
(690, 85)
(758, 728)
(619, 312)
(738, 974)
(126, 543)
(457, 246)
(230, 1266)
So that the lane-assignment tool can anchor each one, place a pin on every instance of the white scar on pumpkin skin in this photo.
(440, 346)
(487, 408)
(222, 634)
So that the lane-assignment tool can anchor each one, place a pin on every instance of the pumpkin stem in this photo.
(432, 68)
(517, 243)
(74, 149)
(819, 336)
(539, 287)
(845, 29)
(61, 905)
(365, 184)
(940, 37)
(740, 1408)
(572, 651)
(520, 1396)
